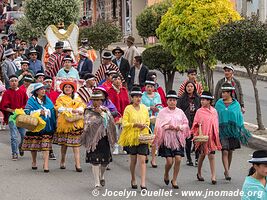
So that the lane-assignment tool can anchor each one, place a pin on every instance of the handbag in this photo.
(26, 121)
(201, 137)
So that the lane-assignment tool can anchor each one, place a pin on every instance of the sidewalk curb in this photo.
(256, 141)
(241, 73)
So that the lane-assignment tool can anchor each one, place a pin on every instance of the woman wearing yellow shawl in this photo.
(69, 130)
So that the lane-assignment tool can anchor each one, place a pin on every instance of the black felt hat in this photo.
(172, 94)
(259, 157)
(136, 91)
(206, 95)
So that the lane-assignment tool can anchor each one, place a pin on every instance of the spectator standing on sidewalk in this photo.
(131, 51)
(229, 78)
(14, 98)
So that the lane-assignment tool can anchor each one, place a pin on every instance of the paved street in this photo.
(19, 182)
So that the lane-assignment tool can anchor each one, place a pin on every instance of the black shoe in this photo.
(62, 167)
(21, 152)
(102, 182)
(134, 186)
(166, 182)
(46, 170)
(228, 178)
(143, 188)
(153, 166)
(52, 156)
(214, 182)
(107, 167)
(200, 178)
(174, 186)
(78, 169)
(189, 163)
(34, 168)
(146, 161)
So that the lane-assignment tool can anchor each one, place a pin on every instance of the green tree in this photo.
(40, 14)
(101, 34)
(158, 58)
(25, 30)
(149, 20)
(243, 43)
(185, 30)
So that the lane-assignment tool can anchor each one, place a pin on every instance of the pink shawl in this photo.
(169, 138)
(208, 118)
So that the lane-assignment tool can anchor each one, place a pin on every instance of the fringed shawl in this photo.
(33, 105)
(208, 118)
(231, 122)
(96, 126)
(169, 138)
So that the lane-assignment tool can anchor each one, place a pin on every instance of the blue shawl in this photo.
(231, 122)
(33, 105)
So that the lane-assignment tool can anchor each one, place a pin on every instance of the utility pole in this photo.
(244, 8)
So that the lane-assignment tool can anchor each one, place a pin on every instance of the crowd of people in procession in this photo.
(121, 108)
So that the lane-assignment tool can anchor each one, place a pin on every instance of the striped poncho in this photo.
(54, 64)
(100, 74)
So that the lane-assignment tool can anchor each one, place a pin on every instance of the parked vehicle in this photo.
(9, 18)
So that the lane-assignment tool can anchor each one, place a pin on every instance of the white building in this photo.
(252, 7)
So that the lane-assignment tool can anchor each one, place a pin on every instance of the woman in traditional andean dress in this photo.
(40, 141)
(135, 122)
(99, 137)
(206, 122)
(69, 105)
(171, 130)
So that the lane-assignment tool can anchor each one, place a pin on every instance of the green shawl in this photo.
(231, 122)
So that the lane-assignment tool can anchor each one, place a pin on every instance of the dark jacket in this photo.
(39, 49)
(184, 104)
(124, 67)
(238, 94)
(142, 76)
(87, 67)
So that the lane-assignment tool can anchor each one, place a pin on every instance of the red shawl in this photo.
(120, 100)
(53, 95)
(12, 99)
(208, 118)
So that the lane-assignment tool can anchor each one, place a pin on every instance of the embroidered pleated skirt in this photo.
(37, 142)
(70, 139)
